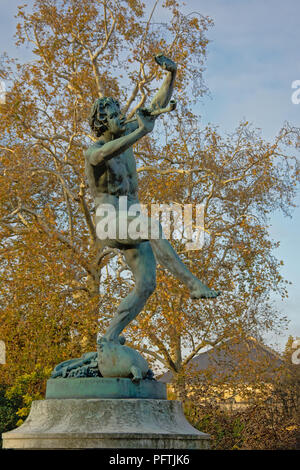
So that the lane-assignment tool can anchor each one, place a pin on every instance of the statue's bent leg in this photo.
(168, 258)
(141, 261)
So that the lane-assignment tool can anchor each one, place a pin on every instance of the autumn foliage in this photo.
(57, 291)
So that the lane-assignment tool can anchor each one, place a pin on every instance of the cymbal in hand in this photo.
(165, 63)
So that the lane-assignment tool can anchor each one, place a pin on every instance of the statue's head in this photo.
(99, 116)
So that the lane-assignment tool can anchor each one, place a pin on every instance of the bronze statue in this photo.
(111, 174)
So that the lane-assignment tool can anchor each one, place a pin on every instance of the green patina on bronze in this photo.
(111, 174)
(100, 387)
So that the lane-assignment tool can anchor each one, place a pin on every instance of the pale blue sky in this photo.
(253, 58)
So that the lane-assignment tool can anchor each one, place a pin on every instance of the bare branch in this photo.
(54, 233)
(163, 350)
(60, 177)
(155, 355)
(86, 213)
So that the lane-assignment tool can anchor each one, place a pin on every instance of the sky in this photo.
(253, 58)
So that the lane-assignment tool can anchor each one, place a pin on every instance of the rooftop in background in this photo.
(230, 356)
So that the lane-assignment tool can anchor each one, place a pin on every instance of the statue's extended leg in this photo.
(167, 257)
(141, 261)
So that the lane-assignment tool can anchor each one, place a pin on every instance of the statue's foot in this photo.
(200, 291)
(122, 340)
(136, 374)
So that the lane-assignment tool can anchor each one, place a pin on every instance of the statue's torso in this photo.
(113, 178)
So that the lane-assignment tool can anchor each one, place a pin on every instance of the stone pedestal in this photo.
(83, 423)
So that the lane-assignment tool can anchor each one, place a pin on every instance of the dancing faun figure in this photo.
(111, 174)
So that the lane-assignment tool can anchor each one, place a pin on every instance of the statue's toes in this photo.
(136, 380)
(136, 374)
(206, 294)
(211, 295)
(215, 293)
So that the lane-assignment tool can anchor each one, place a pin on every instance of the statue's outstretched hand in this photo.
(165, 63)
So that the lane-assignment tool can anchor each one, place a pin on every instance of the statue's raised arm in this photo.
(161, 102)
(163, 96)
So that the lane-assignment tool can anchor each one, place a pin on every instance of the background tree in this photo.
(50, 268)
(268, 416)
(56, 289)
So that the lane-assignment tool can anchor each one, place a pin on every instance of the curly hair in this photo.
(97, 118)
